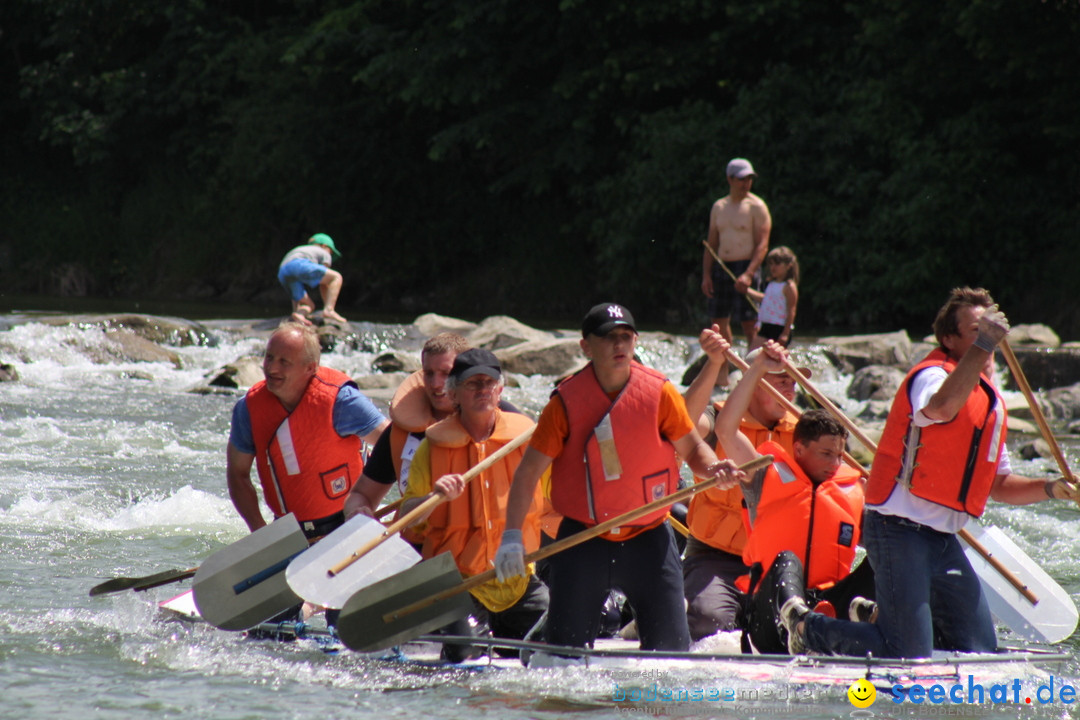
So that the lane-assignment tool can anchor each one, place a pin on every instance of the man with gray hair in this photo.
(303, 425)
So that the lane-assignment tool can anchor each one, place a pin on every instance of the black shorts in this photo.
(726, 301)
(771, 331)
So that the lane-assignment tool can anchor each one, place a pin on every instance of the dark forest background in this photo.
(531, 157)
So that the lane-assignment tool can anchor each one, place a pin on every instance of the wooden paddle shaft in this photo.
(388, 508)
(999, 566)
(576, 539)
(678, 526)
(428, 505)
(872, 446)
(1036, 410)
(727, 270)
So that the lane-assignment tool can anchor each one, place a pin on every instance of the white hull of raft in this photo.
(719, 656)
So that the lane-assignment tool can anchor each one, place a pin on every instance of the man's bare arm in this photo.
(698, 395)
(365, 497)
(522, 490)
(241, 489)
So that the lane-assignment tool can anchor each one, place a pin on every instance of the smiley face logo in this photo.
(862, 694)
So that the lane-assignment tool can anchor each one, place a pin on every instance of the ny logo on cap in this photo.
(614, 311)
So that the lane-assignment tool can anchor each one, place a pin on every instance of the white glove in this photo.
(510, 559)
(993, 327)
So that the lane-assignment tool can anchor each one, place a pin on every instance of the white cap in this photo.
(740, 168)
(752, 355)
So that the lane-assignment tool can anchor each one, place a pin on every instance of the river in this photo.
(117, 470)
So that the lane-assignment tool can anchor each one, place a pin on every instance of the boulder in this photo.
(1036, 334)
(849, 354)
(8, 373)
(499, 331)
(431, 324)
(1045, 367)
(127, 346)
(165, 330)
(380, 380)
(1022, 426)
(875, 410)
(1035, 449)
(243, 372)
(1063, 403)
(875, 382)
(396, 362)
(693, 370)
(542, 357)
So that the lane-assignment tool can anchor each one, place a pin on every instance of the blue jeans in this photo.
(928, 596)
(299, 274)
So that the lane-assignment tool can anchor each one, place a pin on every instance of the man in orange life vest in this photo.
(713, 556)
(419, 402)
(470, 524)
(942, 455)
(302, 426)
(804, 509)
(609, 435)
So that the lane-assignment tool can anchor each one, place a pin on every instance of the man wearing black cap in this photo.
(470, 524)
(609, 436)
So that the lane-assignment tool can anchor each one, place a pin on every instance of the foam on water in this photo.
(184, 511)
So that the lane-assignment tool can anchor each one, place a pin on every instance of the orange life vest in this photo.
(410, 412)
(581, 487)
(716, 517)
(304, 466)
(952, 463)
(819, 524)
(470, 526)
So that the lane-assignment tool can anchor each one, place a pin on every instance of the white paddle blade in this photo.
(1052, 619)
(308, 577)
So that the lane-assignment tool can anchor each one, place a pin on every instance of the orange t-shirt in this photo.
(553, 428)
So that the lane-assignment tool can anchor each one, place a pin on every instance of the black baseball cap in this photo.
(476, 361)
(604, 318)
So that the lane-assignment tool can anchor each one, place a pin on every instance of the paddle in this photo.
(146, 582)
(137, 584)
(727, 270)
(388, 508)
(307, 574)
(431, 594)
(428, 505)
(1036, 412)
(244, 584)
(1052, 620)
(1031, 626)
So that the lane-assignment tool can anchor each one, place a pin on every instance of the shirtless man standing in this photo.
(739, 226)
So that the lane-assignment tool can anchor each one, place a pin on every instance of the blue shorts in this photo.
(298, 275)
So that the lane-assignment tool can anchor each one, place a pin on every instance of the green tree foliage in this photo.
(486, 156)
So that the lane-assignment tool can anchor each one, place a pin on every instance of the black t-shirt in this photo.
(380, 463)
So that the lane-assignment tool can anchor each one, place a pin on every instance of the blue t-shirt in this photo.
(354, 414)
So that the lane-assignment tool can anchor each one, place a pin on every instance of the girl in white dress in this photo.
(776, 316)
